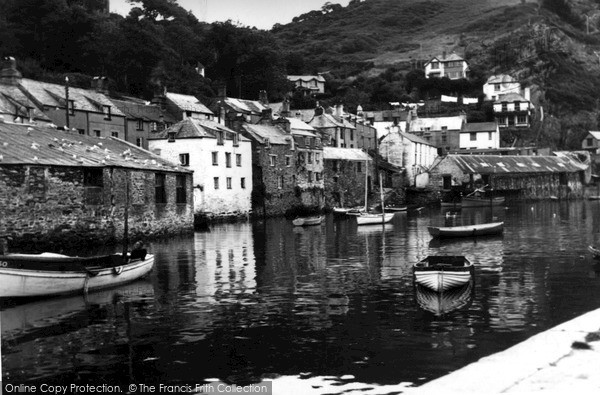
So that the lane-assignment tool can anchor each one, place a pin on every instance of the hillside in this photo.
(550, 46)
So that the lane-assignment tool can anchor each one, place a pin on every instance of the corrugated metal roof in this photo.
(494, 164)
(352, 154)
(147, 112)
(53, 95)
(306, 78)
(196, 128)
(188, 103)
(39, 145)
(273, 134)
(480, 127)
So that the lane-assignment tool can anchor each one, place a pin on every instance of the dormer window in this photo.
(140, 124)
(106, 111)
(220, 137)
(71, 107)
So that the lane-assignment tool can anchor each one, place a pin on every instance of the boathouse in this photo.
(60, 189)
(529, 177)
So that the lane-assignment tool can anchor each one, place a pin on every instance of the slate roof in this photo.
(501, 78)
(196, 128)
(386, 115)
(14, 101)
(480, 127)
(510, 97)
(272, 134)
(188, 103)
(416, 139)
(245, 106)
(304, 115)
(329, 121)
(449, 58)
(146, 112)
(494, 164)
(43, 145)
(53, 95)
(351, 154)
(596, 135)
(301, 128)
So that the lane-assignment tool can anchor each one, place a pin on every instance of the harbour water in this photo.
(258, 301)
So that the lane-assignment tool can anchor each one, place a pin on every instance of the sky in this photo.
(260, 13)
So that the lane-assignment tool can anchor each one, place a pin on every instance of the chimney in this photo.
(339, 110)
(444, 55)
(527, 93)
(171, 134)
(160, 98)
(9, 75)
(318, 110)
(222, 91)
(262, 97)
(99, 84)
(266, 116)
(285, 108)
(284, 124)
(200, 69)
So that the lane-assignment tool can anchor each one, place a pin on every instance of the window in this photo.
(280, 182)
(180, 190)
(521, 119)
(490, 135)
(288, 160)
(188, 114)
(359, 167)
(153, 126)
(473, 136)
(317, 157)
(114, 134)
(435, 65)
(81, 131)
(97, 133)
(496, 87)
(93, 181)
(243, 183)
(215, 158)
(106, 111)
(351, 134)
(310, 176)
(335, 166)
(272, 159)
(220, 137)
(216, 182)
(160, 193)
(140, 124)
(310, 157)
(139, 141)
(589, 141)
(228, 181)
(444, 138)
(236, 140)
(227, 159)
(238, 160)
(184, 159)
(444, 128)
(71, 107)
(504, 107)
(317, 177)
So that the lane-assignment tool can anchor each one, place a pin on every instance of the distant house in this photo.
(335, 130)
(346, 172)
(311, 84)
(500, 84)
(385, 119)
(452, 66)
(182, 106)
(142, 120)
(480, 135)
(410, 152)
(513, 110)
(532, 177)
(442, 132)
(221, 160)
(73, 189)
(591, 142)
(233, 112)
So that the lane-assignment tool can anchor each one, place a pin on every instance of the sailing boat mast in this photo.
(126, 218)
(382, 200)
(366, 183)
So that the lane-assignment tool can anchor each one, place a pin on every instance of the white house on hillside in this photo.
(310, 83)
(220, 158)
(591, 142)
(513, 110)
(500, 84)
(480, 135)
(451, 66)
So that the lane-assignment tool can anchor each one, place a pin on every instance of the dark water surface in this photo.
(247, 302)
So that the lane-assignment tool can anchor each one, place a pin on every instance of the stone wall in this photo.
(344, 184)
(58, 208)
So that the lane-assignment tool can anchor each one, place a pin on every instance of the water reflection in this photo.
(248, 301)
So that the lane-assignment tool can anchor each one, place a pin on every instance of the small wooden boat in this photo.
(395, 209)
(477, 201)
(28, 275)
(341, 210)
(594, 197)
(595, 252)
(443, 272)
(491, 228)
(440, 303)
(372, 219)
(308, 221)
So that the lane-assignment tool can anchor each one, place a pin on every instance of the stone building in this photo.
(60, 189)
(346, 172)
(143, 120)
(442, 132)
(221, 160)
(530, 177)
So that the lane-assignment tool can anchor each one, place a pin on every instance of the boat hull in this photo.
(440, 273)
(482, 202)
(307, 221)
(440, 303)
(373, 219)
(493, 228)
(23, 282)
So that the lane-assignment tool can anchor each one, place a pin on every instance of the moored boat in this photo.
(308, 221)
(477, 201)
(395, 209)
(374, 218)
(29, 275)
(486, 229)
(442, 272)
(595, 252)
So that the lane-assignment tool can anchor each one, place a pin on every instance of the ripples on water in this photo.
(326, 309)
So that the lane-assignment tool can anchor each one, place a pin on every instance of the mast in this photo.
(366, 183)
(382, 200)
(126, 218)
